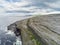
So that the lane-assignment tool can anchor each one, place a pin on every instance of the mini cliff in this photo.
(39, 30)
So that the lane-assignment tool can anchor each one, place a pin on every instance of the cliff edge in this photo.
(39, 30)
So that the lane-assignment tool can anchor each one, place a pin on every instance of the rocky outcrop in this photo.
(39, 30)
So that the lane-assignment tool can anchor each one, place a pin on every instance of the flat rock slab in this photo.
(47, 27)
(50, 21)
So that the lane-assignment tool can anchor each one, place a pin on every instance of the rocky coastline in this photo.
(39, 30)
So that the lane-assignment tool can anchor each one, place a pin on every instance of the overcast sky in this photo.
(28, 7)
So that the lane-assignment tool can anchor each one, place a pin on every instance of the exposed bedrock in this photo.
(39, 30)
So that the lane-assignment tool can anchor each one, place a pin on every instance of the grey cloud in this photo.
(13, 0)
(16, 11)
(40, 4)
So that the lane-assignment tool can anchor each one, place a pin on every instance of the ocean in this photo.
(8, 37)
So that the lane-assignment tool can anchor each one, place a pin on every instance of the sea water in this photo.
(8, 37)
